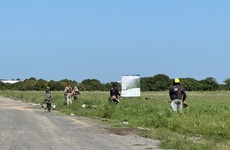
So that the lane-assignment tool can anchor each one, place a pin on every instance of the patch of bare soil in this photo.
(123, 131)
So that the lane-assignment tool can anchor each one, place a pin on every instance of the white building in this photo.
(9, 81)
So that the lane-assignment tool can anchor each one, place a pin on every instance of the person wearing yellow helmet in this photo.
(177, 95)
(176, 80)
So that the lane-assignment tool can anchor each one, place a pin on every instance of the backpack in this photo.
(178, 91)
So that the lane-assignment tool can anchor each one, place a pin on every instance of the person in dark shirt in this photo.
(177, 95)
(114, 93)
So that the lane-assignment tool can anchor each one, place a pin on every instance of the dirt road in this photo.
(26, 126)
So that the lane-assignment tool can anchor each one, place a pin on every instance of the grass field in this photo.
(204, 125)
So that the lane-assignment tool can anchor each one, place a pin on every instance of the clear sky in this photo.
(103, 39)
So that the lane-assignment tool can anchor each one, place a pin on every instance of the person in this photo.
(75, 93)
(48, 98)
(177, 95)
(68, 94)
(114, 93)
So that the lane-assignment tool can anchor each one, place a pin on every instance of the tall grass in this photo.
(203, 125)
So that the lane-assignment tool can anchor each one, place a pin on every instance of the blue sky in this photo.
(103, 39)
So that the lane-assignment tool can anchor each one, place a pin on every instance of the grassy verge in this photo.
(203, 125)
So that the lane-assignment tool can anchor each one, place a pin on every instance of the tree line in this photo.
(159, 82)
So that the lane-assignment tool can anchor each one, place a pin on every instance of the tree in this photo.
(29, 84)
(210, 84)
(159, 82)
(190, 84)
(41, 84)
(146, 84)
(91, 85)
(227, 82)
(56, 85)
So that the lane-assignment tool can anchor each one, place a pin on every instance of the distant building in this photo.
(9, 81)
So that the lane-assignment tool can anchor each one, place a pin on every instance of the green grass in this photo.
(203, 125)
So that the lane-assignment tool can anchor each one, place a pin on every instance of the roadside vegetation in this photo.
(204, 125)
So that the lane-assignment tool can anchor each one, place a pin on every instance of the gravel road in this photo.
(25, 126)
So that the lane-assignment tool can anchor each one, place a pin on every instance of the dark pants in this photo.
(48, 106)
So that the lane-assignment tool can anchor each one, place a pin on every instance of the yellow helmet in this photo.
(176, 80)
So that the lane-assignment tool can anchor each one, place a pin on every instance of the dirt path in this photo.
(28, 126)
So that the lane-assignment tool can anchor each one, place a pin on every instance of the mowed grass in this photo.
(205, 124)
